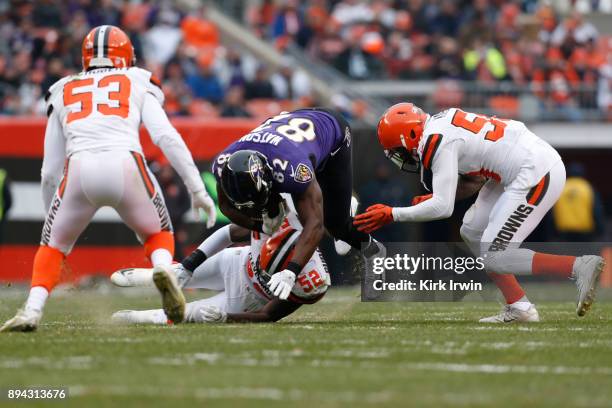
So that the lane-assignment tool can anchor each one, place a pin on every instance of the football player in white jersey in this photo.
(525, 178)
(241, 276)
(93, 134)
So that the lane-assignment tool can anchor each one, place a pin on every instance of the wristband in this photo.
(195, 259)
(294, 267)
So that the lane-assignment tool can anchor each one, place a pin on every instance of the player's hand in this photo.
(201, 200)
(183, 275)
(419, 199)
(212, 314)
(375, 217)
(271, 224)
(281, 284)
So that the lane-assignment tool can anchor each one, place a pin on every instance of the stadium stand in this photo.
(503, 54)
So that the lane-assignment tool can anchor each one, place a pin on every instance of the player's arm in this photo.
(444, 185)
(215, 243)
(171, 143)
(53, 158)
(440, 205)
(273, 311)
(309, 206)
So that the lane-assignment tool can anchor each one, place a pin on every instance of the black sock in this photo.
(195, 259)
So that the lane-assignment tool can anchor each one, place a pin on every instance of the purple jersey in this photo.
(296, 144)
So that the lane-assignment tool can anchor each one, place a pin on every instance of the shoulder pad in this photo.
(149, 81)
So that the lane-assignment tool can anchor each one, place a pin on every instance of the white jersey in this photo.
(313, 280)
(101, 109)
(494, 148)
(457, 143)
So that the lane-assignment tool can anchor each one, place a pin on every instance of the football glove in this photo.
(212, 314)
(419, 199)
(201, 200)
(183, 275)
(281, 284)
(375, 217)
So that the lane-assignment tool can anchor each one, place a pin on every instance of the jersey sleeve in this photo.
(150, 83)
(430, 149)
(164, 135)
(292, 174)
(53, 95)
(444, 185)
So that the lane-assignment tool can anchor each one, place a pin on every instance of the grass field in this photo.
(339, 353)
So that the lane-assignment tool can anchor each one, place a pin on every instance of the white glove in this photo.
(212, 314)
(281, 283)
(183, 276)
(201, 200)
(270, 225)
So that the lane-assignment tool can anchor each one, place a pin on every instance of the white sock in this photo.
(161, 256)
(156, 316)
(522, 304)
(37, 298)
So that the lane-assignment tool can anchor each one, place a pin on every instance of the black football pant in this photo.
(336, 181)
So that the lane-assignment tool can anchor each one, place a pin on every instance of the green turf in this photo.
(337, 353)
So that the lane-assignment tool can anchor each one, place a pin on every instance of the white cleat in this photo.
(586, 271)
(173, 300)
(133, 277)
(342, 248)
(512, 314)
(143, 277)
(139, 317)
(24, 321)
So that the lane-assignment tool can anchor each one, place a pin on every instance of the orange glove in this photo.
(375, 217)
(419, 199)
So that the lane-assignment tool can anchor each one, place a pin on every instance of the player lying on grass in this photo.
(305, 153)
(93, 134)
(241, 276)
(525, 178)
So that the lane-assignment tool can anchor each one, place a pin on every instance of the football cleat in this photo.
(133, 277)
(365, 266)
(173, 300)
(143, 277)
(342, 248)
(512, 314)
(24, 321)
(586, 271)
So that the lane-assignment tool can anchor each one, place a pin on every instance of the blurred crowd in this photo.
(563, 61)
(40, 42)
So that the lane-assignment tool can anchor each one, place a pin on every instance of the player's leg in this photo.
(69, 214)
(143, 209)
(193, 312)
(226, 272)
(514, 217)
(336, 182)
(475, 222)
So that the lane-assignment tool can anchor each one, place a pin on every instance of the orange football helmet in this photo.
(278, 250)
(399, 132)
(107, 46)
